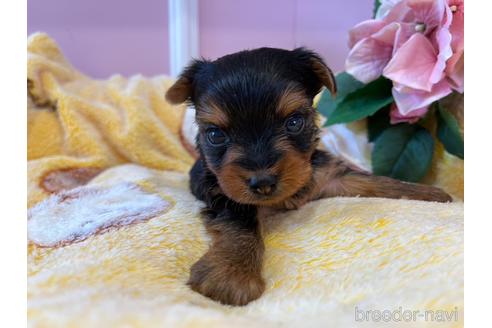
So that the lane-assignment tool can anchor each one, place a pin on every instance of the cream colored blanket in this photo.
(110, 244)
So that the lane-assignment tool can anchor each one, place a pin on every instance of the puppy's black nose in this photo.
(263, 184)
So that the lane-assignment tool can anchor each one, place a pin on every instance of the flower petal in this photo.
(398, 13)
(369, 56)
(454, 66)
(413, 64)
(411, 117)
(457, 28)
(429, 12)
(404, 33)
(364, 30)
(409, 101)
(456, 77)
(367, 60)
(443, 40)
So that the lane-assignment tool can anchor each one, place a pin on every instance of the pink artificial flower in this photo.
(456, 73)
(455, 65)
(406, 98)
(371, 55)
(412, 117)
(418, 44)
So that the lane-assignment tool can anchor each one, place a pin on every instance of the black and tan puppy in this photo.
(257, 143)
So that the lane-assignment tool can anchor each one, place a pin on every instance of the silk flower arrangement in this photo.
(400, 67)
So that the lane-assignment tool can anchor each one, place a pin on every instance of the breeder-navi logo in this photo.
(400, 315)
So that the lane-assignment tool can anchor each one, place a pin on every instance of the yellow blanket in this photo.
(116, 250)
(78, 122)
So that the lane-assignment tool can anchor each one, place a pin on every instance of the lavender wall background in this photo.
(103, 37)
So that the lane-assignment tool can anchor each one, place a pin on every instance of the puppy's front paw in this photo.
(225, 283)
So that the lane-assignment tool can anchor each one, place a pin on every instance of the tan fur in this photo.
(340, 179)
(365, 185)
(230, 271)
(179, 91)
(291, 100)
(325, 75)
(211, 113)
(293, 170)
(232, 180)
(295, 173)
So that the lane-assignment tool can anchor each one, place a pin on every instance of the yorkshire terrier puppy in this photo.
(257, 141)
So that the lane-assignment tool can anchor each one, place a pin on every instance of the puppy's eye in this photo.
(294, 124)
(216, 137)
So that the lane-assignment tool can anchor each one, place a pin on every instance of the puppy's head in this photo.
(257, 127)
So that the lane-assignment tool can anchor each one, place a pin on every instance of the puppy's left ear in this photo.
(183, 88)
(316, 65)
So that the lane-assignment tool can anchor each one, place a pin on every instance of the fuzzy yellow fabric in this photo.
(75, 121)
(321, 262)
(110, 263)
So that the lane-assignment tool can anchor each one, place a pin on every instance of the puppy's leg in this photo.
(339, 179)
(230, 271)
(367, 185)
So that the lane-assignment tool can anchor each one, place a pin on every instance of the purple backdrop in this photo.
(228, 26)
(102, 37)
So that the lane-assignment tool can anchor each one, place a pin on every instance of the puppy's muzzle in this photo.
(263, 184)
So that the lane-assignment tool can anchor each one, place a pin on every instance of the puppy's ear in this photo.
(316, 65)
(183, 88)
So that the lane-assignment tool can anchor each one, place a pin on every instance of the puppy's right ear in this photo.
(183, 88)
(312, 62)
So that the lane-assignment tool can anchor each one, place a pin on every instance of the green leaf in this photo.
(346, 84)
(362, 102)
(403, 152)
(377, 123)
(377, 4)
(448, 132)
